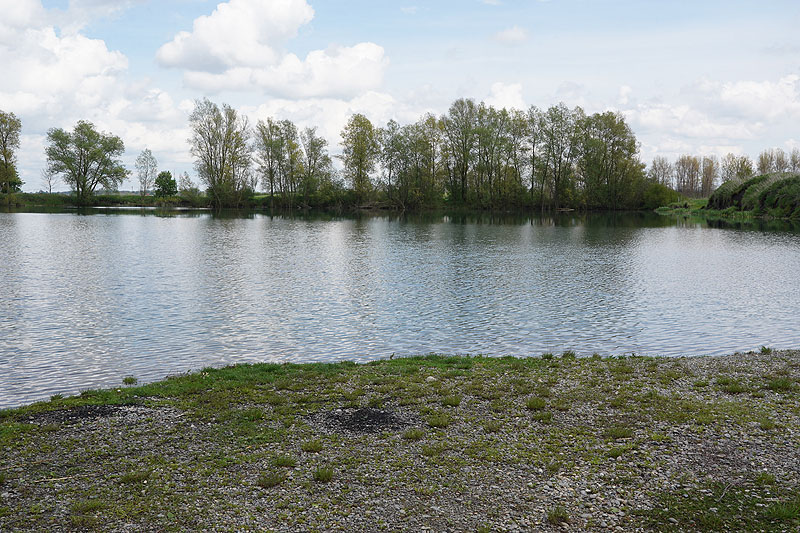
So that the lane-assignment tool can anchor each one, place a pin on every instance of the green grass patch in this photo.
(535, 403)
(323, 474)
(557, 515)
(414, 434)
(284, 461)
(267, 480)
(311, 446)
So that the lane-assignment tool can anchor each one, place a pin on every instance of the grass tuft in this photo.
(267, 480)
(557, 515)
(414, 434)
(323, 474)
(130, 380)
(535, 403)
(311, 446)
(451, 401)
(284, 461)
(439, 420)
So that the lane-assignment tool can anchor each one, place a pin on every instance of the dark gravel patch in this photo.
(74, 415)
(363, 420)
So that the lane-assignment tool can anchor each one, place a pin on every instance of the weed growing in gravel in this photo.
(547, 356)
(2, 478)
(535, 403)
(767, 424)
(311, 446)
(764, 478)
(545, 417)
(267, 480)
(618, 432)
(88, 506)
(434, 449)
(136, 477)
(414, 434)
(451, 401)
(439, 420)
(323, 474)
(730, 385)
(561, 405)
(284, 461)
(765, 350)
(130, 380)
(569, 354)
(781, 385)
(492, 426)
(557, 515)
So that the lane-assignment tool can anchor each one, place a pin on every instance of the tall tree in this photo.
(219, 144)
(459, 127)
(360, 151)
(687, 175)
(268, 153)
(608, 161)
(49, 180)
(766, 161)
(661, 171)
(290, 163)
(10, 127)
(146, 169)
(165, 184)
(780, 162)
(733, 167)
(710, 173)
(317, 166)
(85, 159)
(560, 133)
(794, 160)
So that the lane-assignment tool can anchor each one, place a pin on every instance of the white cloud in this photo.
(624, 94)
(253, 55)
(764, 99)
(512, 35)
(62, 76)
(506, 96)
(409, 10)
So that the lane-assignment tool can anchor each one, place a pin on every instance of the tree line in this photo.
(699, 176)
(474, 155)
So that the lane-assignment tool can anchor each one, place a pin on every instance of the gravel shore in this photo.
(419, 444)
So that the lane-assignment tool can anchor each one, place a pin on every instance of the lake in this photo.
(89, 298)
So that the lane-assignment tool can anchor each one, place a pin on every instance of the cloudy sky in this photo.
(694, 76)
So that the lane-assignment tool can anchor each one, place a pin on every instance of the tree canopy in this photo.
(85, 159)
(10, 127)
(221, 148)
(165, 184)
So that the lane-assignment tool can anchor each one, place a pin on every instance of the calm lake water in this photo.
(86, 299)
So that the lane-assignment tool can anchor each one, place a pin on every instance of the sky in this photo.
(703, 77)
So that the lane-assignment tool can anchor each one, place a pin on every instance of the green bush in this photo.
(781, 198)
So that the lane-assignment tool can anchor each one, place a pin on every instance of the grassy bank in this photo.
(445, 443)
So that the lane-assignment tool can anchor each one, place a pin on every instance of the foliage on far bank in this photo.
(774, 194)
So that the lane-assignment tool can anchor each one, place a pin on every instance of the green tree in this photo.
(85, 158)
(146, 168)
(219, 144)
(268, 153)
(460, 125)
(165, 184)
(609, 166)
(10, 127)
(317, 166)
(360, 151)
